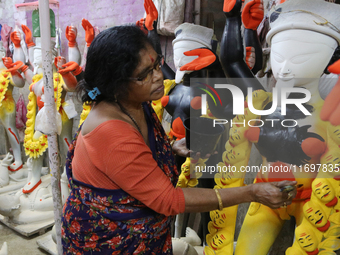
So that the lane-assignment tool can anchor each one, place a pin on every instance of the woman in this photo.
(121, 167)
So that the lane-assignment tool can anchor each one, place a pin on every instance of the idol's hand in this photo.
(206, 58)
(151, 14)
(28, 36)
(71, 35)
(89, 31)
(71, 67)
(232, 8)
(252, 14)
(15, 38)
(331, 108)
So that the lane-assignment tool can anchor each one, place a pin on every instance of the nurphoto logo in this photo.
(230, 101)
(239, 99)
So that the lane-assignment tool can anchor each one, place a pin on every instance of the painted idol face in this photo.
(323, 190)
(306, 238)
(314, 214)
(300, 55)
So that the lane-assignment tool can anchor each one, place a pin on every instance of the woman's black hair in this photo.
(111, 59)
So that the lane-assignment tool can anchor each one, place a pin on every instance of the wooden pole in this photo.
(189, 11)
(53, 151)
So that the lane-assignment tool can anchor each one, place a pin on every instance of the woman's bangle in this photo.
(220, 203)
(172, 145)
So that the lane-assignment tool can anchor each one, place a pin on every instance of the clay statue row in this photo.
(30, 179)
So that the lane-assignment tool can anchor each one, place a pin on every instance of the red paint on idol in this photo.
(318, 185)
(65, 139)
(10, 130)
(152, 59)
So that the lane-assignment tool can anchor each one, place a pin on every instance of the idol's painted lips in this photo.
(319, 220)
(308, 245)
(326, 195)
(214, 243)
(223, 181)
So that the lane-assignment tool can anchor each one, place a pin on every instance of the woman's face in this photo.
(152, 87)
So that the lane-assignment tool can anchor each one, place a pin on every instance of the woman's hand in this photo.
(179, 147)
(270, 194)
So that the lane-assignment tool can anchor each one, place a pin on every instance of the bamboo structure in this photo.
(53, 151)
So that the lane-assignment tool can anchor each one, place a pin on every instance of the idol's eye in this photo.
(277, 57)
(301, 59)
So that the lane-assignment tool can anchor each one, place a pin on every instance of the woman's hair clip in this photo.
(93, 93)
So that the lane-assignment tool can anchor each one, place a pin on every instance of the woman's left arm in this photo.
(179, 148)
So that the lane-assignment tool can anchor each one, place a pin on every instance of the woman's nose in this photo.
(157, 74)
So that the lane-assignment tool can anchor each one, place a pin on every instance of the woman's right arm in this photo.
(131, 166)
(269, 194)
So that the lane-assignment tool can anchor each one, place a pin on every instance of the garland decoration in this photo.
(5, 78)
(86, 110)
(35, 147)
